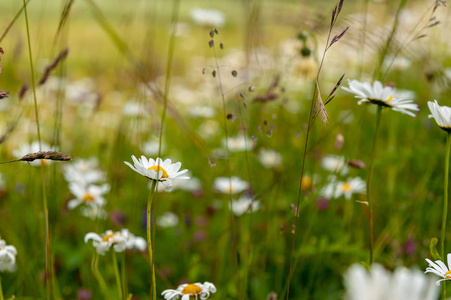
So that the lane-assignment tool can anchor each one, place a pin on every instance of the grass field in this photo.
(295, 189)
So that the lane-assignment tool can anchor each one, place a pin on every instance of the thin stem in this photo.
(98, 276)
(48, 268)
(249, 244)
(33, 85)
(12, 22)
(153, 289)
(116, 274)
(229, 170)
(124, 277)
(368, 187)
(377, 71)
(445, 202)
(175, 14)
(300, 187)
(1, 290)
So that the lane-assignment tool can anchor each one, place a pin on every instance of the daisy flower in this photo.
(87, 194)
(94, 212)
(233, 185)
(132, 241)
(168, 219)
(83, 171)
(243, 205)
(238, 143)
(440, 269)
(335, 164)
(152, 146)
(384, 96)
(381, 284)
(7, 257)
(159, 170)
(336, 189)
(192, 290)
(441, 114)
(270, 158)
(351, 186)
(109, 238)
(208, 17)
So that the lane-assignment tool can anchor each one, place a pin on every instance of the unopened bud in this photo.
(251, 88)
(234, 73)
(211, 43)
(358, 164)
(339, 141)
(212, 33)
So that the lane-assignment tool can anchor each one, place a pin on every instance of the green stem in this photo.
(98, 276)
(368, 187)
(153, 289)
(48, 268)
(116, 274)
(445, 202)
(124, 277)
(1, 290)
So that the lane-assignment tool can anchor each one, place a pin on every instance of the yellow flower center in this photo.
(191, 289)
(157, 169)
(448, 275)
(88, 198)
(346, 187)
(389, 98)
(107, 237)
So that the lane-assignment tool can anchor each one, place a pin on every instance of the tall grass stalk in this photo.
(117, 275)
(445, 203)
(175, 14)
(48, 259)
(388, 43)
(229, 172)
(13, 21)
(124, 276)
(153, 287)
(368, 187)
(317, 107)
(249, 242)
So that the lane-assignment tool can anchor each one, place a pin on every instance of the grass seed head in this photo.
(51, 155)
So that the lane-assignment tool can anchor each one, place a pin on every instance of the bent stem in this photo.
(368, 187)
(153, 289)
(116, 274)
(445, 202)
(98, 276)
